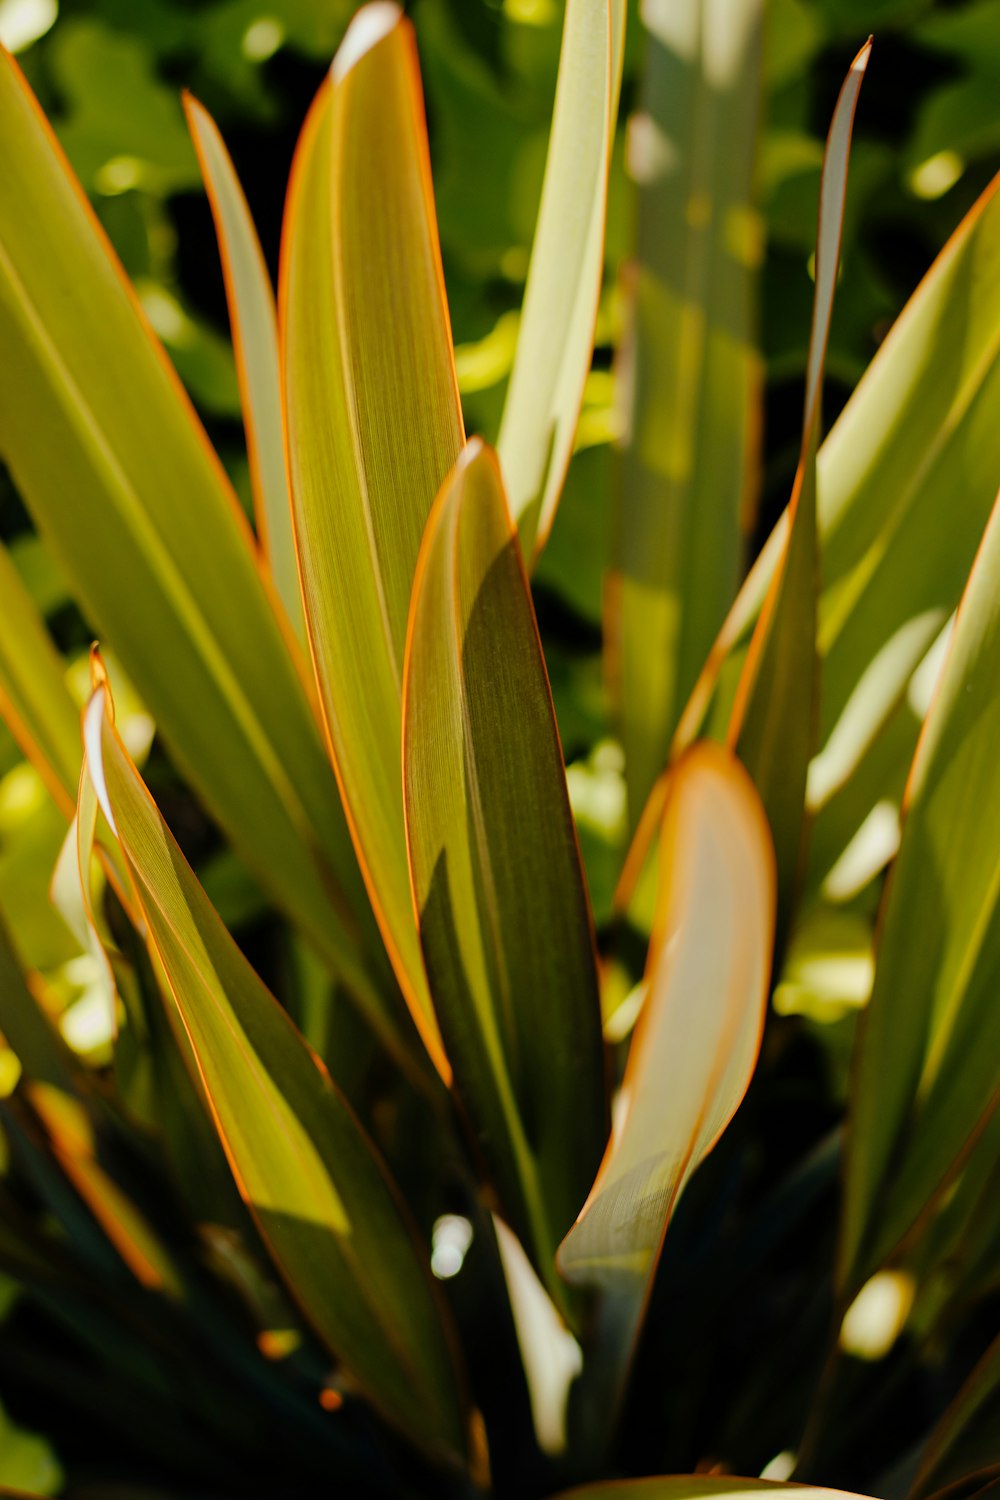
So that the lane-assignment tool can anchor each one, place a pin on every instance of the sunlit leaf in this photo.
(117, 472)
(700, 1487)
(374, 425)
(555, 340)
(698, 1034)
(689, 373)
(502, 909)
(309, 1175)
(773, 723)
(254, 321)
(926, 1076)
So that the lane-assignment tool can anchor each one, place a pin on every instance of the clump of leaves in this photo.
(399, 1225)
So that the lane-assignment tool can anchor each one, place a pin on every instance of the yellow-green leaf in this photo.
(555, 340)
(501, 904)
(374, 425)
(701, 1487)
(118, 474)
(319, 1193)
(773, 723)
(696, 1041)
(925, 1080)
(689, 374)
(254, 321)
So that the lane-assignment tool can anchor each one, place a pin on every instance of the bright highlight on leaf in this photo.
(696, 1041)
(497, 883)
(555, 340)
(374, 425)
(254, 321)
(310, 1177)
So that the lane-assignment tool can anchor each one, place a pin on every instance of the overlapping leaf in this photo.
(696, 1041)
(319, 1193)
(689, 373)
(555, 341)
(501, 905)
(119, 476)
(374, 425)
(926, 1075)
(773, 723)
(254, 321)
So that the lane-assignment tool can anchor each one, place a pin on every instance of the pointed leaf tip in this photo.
(369, 27)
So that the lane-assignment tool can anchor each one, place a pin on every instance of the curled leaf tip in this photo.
(371, 25)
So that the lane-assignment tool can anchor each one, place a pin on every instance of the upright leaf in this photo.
(319, 1193)
(925, 1080)
(695, 1044)
(555, 341)
(965, 1439)
(689, 374)
(117, 472)
(254, 321)
(34, 699)
(773, 724)
(501, 904)
(374, 425)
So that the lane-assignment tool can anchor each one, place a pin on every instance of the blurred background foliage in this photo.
(109, 74)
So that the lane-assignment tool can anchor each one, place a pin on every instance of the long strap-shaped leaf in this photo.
(965, 1437)
(926, 1076)
(374, 425)
(35, 702)
(254, 321)
(773, 724)
(696, 1041)
(700, 1487)
(497, 881)
(122, 482)
(311, 1178)
(689, 373)
(555, 341)
(906, 481)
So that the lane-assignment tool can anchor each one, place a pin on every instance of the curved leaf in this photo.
(925, 1079)
(374, 425)
(497, 882)
(555, 341)
(696, 1041)
(319, 1193)
(118, 474)
(700, 1487)
(254, 321)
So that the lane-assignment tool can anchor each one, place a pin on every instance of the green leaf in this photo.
(696, 1041)
(773, 723)
(34, 700)
(925, 1078)
(133, 503)
(254, 322)
(555, 341)
(699, 1487)
(502, 907)
(906, 481)
(965, 1439)
(320, 1195)
(690, 375)
(374, 426)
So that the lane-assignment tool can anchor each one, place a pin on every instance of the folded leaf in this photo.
(555, 341)
(313, 1181)
(254, 322)
(374, 425)
(925, 1080)
(689, 373)
(118, 474)
(773, 723)
(497, 882)
(696, 1041)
